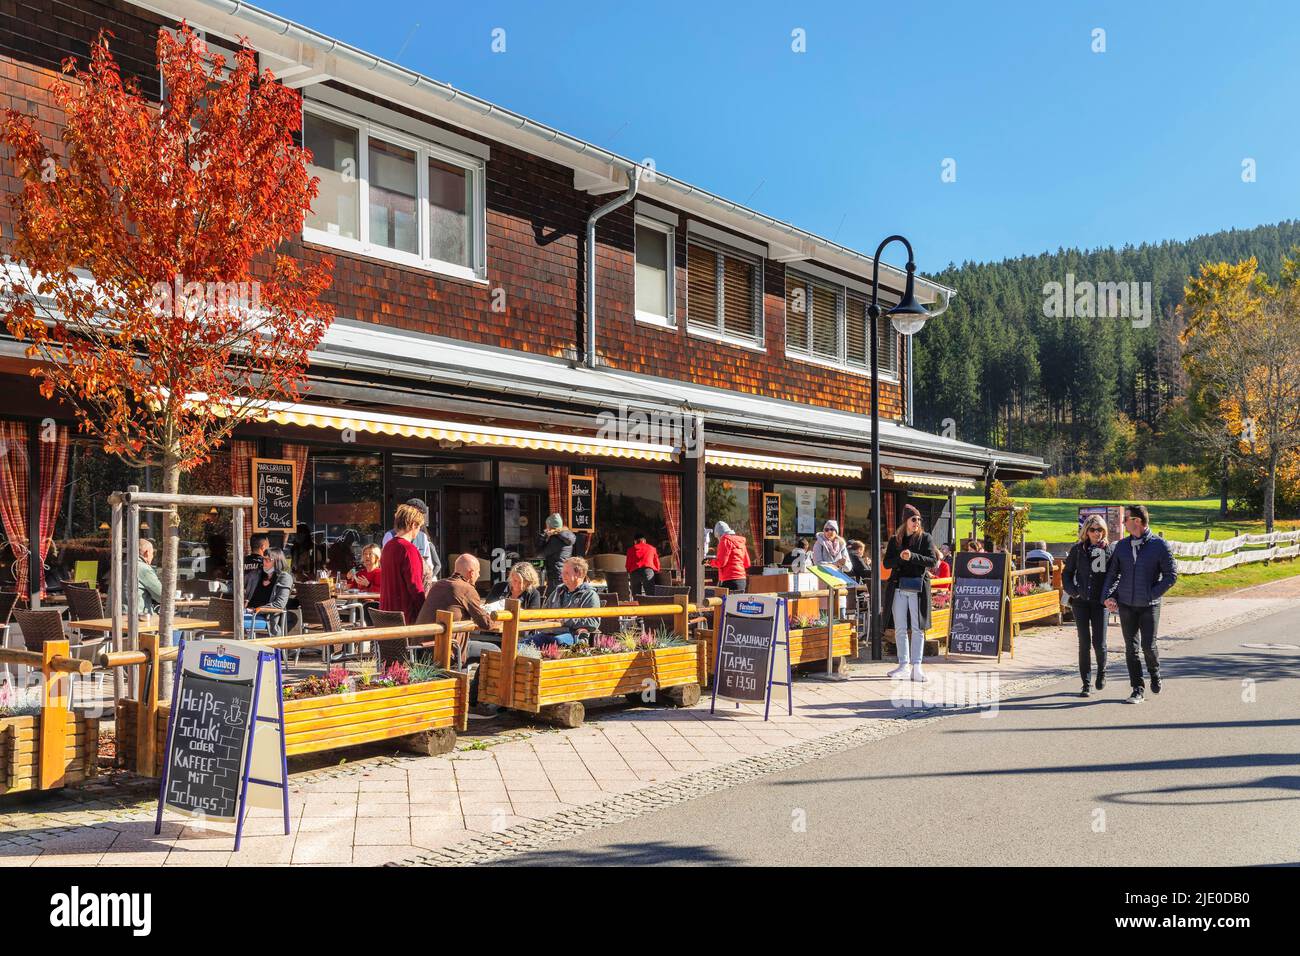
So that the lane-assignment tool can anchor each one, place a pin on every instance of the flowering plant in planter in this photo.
(18, 703)
(340, 680)
(623, 642)
(801, 621)
(940, 600)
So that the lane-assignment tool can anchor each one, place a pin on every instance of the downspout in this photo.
(633, 184)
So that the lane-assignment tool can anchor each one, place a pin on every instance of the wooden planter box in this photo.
(807, 645)
(1035, 607)
(555, 689)
(424, 716)
(20, 745)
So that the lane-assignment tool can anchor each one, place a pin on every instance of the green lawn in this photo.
(1243, 576)
(1057, 519)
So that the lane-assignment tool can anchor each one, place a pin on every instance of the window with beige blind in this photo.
(722, 293)
(828, 323)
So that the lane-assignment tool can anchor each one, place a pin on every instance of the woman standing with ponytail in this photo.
(910, 556)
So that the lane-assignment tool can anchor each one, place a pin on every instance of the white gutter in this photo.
(633, 182)
(200, 13)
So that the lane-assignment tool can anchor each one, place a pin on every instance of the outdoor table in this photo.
(105, 625)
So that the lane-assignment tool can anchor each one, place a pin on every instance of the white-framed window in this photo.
(393, 196)
(828, 323)
(656, 292)
(724, 293)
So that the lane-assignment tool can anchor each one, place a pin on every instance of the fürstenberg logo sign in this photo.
(76, 909)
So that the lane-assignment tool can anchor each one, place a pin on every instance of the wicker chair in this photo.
(222, 610)
(328, 613)
(310, 595)
(84, 603)
(39, 627)
(619, 584)
(395, 649)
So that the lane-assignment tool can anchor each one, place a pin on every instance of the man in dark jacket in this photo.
(1141, 570)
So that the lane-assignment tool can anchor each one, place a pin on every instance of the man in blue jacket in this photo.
(1141, 571)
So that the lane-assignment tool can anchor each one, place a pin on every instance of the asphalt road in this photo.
(1199, 775)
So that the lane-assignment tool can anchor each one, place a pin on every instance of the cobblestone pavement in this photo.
(505, 792)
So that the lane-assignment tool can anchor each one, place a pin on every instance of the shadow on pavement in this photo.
(624, 854)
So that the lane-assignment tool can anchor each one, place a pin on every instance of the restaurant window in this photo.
(393, 192)
(829, 322)
(804, 509)
(727, 499)
(654, 271)
(394, 196)
(334, 161)
(628, 503)
(722, 288)
(524, 506)
(341, 511)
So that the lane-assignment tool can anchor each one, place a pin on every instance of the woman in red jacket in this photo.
(732, 558)
(401, 579)
(642, 564)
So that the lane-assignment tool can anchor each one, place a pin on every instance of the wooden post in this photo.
(442, 644)
(56, 686)
(692, 527)
(509, 650)
(682, 620)
(146, 711)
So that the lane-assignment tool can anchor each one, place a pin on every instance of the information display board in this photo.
(981, 582)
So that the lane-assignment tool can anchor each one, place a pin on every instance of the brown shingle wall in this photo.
(535, 229)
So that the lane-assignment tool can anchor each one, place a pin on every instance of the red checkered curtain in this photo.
(835, 507)
(241, 475)
(54, 475)
(557, 480)
(298, 455)
(670, 489)
(755, 522)
(890, 504)
(14, 471)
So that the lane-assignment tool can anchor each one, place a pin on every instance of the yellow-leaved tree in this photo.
(1242, 354)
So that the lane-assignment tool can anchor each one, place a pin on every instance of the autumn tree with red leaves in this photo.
(143, 273)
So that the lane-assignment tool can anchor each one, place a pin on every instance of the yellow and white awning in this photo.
(932, 481)
(382, 423)
(736, 459)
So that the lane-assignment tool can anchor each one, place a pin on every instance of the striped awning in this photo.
(736, 459)
(932, 481)
(466, 433)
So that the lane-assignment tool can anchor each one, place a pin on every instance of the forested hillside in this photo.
(1084, 392)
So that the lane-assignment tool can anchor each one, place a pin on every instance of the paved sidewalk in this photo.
(382, 809)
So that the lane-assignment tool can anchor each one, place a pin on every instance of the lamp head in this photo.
(909, 315)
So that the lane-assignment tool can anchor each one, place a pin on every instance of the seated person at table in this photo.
(458, 595)
(574, 591)
(259, 544)
(366, 577)
(149, 594)
(642, 564)
(859, 566)
(273, 588)
(523, 585)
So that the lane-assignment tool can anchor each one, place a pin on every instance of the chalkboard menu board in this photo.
(979, 589)
(582, 503)
(771, 516)
(275, 494)
(753, 649)
(210, 723)
(225, 734)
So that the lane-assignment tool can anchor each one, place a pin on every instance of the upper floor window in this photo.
(654, 271)
(723, 293)
(390, 195)
(829, 323)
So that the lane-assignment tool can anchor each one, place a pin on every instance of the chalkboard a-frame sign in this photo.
(582, 503)
(979, 604)
(225, 735)
(753, 651)
(275, 494)
(771, 516)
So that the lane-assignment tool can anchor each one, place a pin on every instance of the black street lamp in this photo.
(907, 317)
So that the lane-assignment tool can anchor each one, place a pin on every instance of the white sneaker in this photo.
(918, 675)
(900, 671)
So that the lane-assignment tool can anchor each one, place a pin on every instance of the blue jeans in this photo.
(537, 640)
(907, 609)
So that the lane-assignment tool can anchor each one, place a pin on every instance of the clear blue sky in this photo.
(1055, 145)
